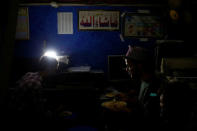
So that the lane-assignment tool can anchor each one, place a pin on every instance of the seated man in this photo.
(139, 106)
(140, 66)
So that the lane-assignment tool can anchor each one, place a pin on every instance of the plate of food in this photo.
(115, 105)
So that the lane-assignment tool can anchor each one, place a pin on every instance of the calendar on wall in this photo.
(65, 22)
(22, 27)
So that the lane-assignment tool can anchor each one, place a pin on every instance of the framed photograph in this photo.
(22, 28)
(142, 25)
(98, 20)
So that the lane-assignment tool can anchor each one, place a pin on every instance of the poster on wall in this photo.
(98, 20)
(139, 25)
(22, 27)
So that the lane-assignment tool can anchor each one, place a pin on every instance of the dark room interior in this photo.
(98, 65)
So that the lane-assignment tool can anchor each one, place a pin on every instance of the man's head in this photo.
(139, 61)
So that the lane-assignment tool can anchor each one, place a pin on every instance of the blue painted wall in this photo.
(83, 47)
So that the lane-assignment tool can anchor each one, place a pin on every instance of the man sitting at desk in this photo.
(140, 66)
(142, 103)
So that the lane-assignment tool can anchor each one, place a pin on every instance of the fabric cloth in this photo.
(27, 98)
(31, 80)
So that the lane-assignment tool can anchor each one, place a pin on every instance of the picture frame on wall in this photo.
(142, 26)
(98, 20)
(22, 27)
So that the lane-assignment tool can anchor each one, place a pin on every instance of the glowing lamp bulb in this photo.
(51, 54)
